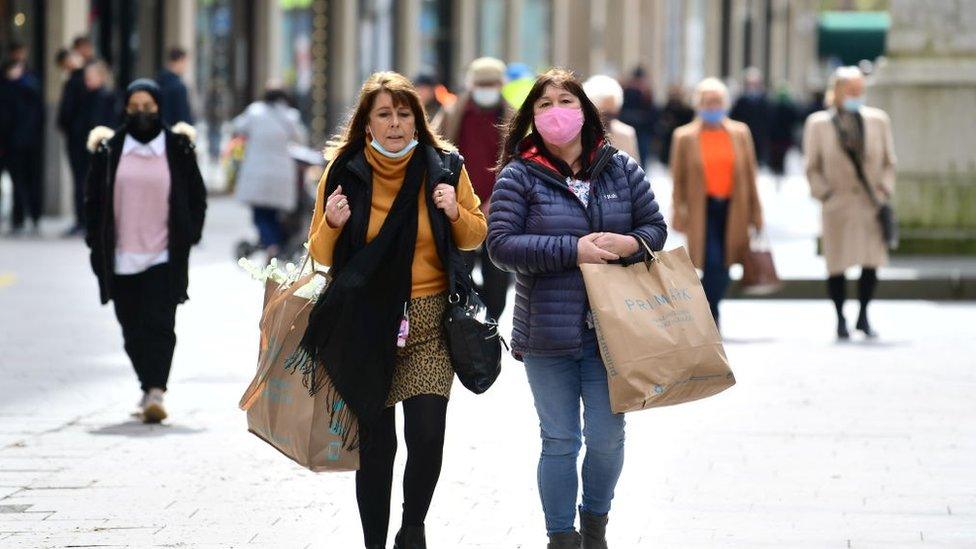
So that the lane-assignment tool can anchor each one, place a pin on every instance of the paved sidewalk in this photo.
(819, 445)
(793, 225)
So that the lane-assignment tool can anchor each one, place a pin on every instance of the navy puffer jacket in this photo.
(534, 226)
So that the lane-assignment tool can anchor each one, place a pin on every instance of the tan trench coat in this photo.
(690, 198)
(851, 231)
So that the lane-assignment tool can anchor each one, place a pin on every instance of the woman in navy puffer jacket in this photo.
(563, 197)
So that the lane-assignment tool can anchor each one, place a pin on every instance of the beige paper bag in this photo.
(657, 337)
(279, 408)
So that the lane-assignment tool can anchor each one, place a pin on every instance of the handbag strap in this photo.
(454, 164)
(858, 168)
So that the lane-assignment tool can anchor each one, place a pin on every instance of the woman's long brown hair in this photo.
(402, 91)
(524, 121)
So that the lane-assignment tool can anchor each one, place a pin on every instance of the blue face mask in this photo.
(853, 104)
(713, 117)
(399, 154)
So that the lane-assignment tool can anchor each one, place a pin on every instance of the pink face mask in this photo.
(559, 125)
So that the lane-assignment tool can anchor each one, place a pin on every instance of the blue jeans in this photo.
(715, 275)
(269, 226)
(558, 384)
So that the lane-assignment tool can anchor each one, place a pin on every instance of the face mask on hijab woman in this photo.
(142, 119)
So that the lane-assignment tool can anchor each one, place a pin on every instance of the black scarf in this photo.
(352, 329)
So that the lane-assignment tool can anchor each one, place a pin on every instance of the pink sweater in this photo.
(142, 184)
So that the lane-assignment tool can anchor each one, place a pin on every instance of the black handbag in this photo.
(886, 214)
(473, 340)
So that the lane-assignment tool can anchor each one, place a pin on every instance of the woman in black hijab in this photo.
(144, 203)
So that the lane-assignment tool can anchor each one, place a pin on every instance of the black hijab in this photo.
(144, 126)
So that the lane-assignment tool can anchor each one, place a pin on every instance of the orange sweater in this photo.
(718, 158)
(429, 277)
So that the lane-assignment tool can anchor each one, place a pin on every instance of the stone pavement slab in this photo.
(819, 445)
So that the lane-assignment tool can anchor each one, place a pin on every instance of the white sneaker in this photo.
(140, 405)
(153, 410)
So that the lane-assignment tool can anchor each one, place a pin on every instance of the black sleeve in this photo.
(94, 191)
(197, 196)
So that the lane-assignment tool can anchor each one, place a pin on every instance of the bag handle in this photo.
(651, 255)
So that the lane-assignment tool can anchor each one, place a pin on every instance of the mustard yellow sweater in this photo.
(429, 277)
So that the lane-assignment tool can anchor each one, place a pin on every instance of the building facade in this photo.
(322, 50)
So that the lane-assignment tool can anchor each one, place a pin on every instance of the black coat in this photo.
(26, 114)
(187, 209)
(174, 99)
(69, 115)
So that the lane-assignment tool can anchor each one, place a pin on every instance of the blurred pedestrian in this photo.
(753, 108)
(473, 123)
(676, 113)
(640, 112)
(66, 61)
(25, 127)
(83, 47)
(608, 96)
(782, 126)
(7, 102)
(713, 166)
(145, 204)
(267, 179)
(559, 180)
(836, 142)
(87, 101)
(385, 213)
(175, 98)
(426, 85)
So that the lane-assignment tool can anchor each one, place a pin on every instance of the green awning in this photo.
(852, 36)
(295, 4)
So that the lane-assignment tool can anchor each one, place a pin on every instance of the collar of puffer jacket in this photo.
(529, 152)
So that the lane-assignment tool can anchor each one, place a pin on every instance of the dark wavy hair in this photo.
(353, 134)
(522, 125)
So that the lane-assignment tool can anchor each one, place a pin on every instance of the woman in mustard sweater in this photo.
(392, 202)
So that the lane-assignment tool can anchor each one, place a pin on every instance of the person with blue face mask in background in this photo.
(837, 141)
(713, 166)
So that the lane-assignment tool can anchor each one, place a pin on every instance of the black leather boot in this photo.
(410, 537)
(564, 540)
(594, 530)
(864, 326)
(842, 333)
(375, 546)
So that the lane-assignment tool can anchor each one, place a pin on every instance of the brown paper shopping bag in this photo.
(279, 408)
(657, 337)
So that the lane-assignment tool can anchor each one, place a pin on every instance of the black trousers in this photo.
(146, 310)
(425, 418)
(78, 159)
(495, 282)
(25, 172)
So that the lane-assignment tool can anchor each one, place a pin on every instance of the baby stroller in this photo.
(294, 224)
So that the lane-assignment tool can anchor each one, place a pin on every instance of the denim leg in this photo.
(715, 275)
(269, 228)
(604, 434)
(555, 384)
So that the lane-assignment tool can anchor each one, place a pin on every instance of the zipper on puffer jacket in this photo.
(606, 153)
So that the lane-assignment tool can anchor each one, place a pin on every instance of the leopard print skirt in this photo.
(423, 367)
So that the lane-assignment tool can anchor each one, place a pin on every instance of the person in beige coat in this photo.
(713, 166)
(852, 234)
(608, 96)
